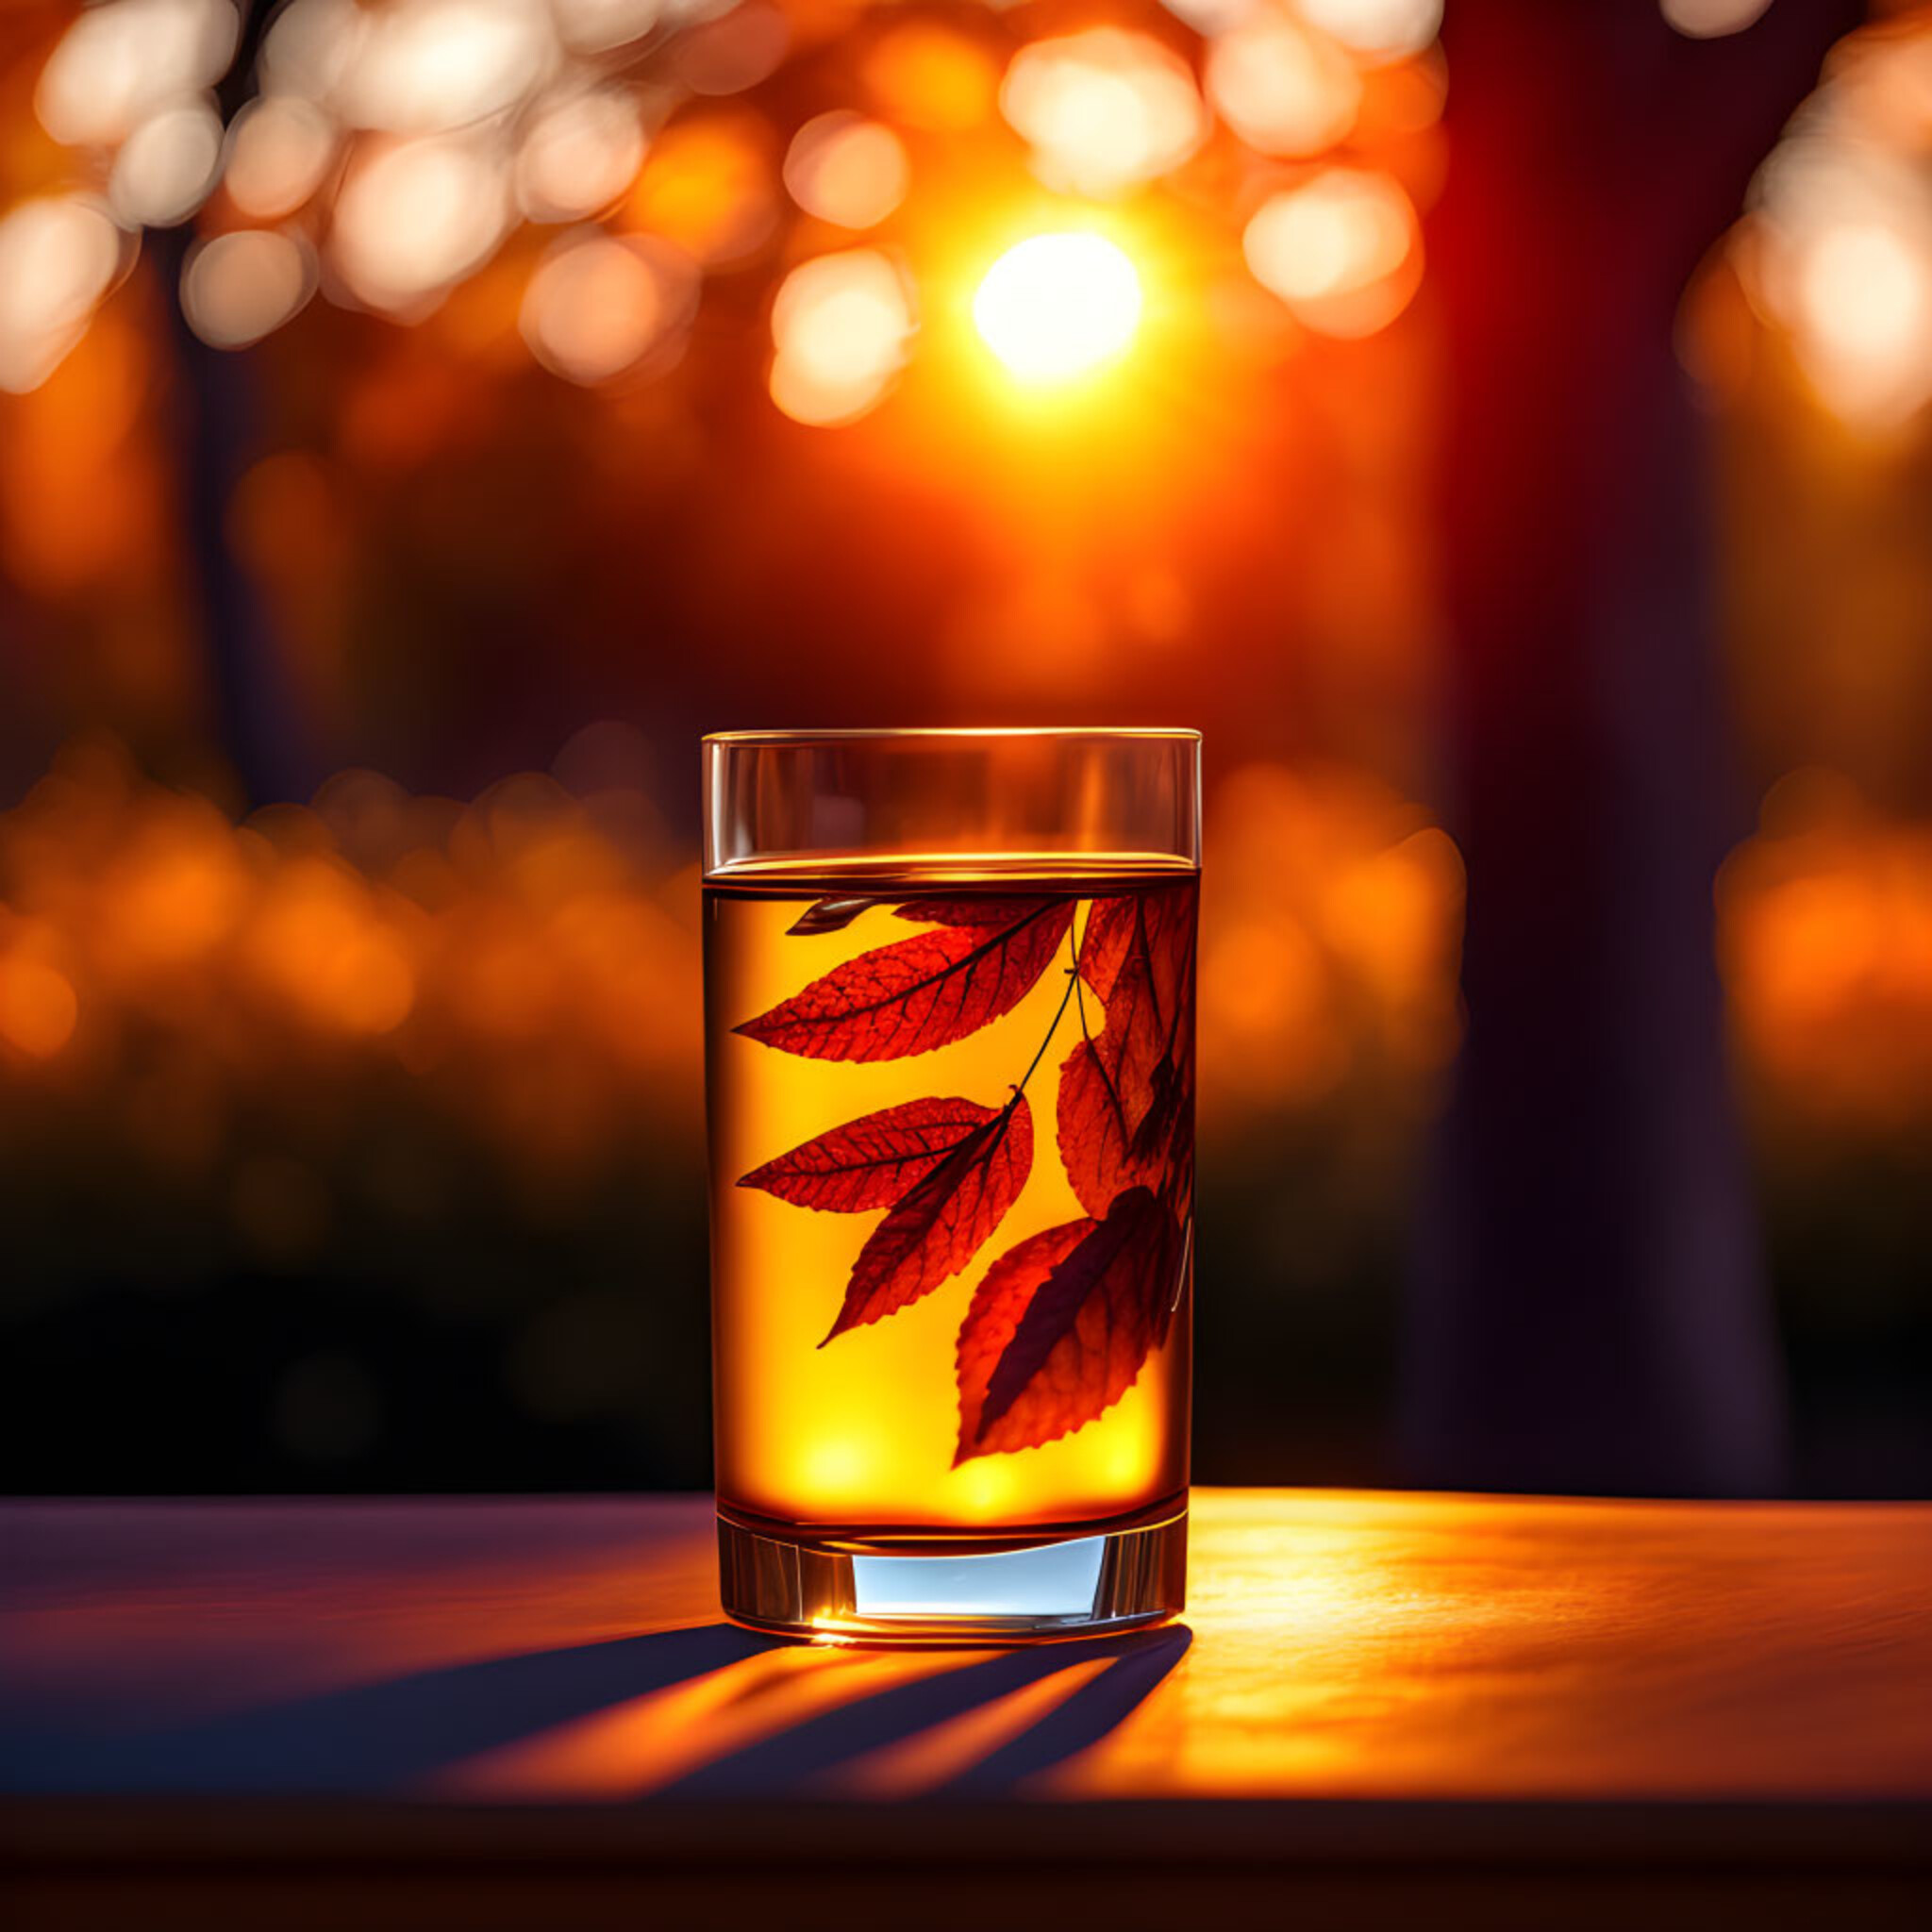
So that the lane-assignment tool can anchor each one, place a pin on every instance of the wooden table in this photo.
(527, 1713)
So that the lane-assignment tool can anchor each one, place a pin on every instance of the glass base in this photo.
(957, 1589)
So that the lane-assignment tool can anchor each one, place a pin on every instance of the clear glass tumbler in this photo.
(949, 990)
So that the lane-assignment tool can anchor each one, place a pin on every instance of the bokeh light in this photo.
(1055, 307)
(414, 215)
(279, 150)
(1837, 248)
(430, 66)
(236, 288)
(1710, 19)
(579, 155)
(166, 166)
(931, 77)
(593, 27)
(1212, 17)
(599, 307)
(846, 169)
(1329, 955)
(409, 141)
(310, 48)
(707, 186)
(122, 59)
(1342, 250)
(1824, 939)
(319, 946)
(172, 976)
(732, 50)
(1103, 111)
(1865, 295)
(38, 1007)
(1377, 30)
(1284, 90)
(539, 922)
(840, 326)
(57, 257)
(393, 1013)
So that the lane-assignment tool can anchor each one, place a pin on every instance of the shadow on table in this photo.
(795, 1757)
(383, 1738)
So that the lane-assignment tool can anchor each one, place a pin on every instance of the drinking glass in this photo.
(949, 998)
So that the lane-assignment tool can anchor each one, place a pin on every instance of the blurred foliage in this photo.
(389, 1052)
(358, 1142)
(387, 1071)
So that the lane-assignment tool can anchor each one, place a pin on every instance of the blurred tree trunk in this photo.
(217, 434)
(1588, 1309)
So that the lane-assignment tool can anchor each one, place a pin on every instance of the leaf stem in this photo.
(1113, 1098)
(1058, 1013)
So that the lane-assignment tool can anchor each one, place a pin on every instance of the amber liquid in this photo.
(857, 1436)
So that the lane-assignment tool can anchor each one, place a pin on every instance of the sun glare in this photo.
(1055, 307)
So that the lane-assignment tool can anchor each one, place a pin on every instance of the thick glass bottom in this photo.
(956, 1589)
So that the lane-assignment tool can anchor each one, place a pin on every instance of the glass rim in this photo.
(1161, 734)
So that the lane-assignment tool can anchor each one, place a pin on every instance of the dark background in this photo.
(1563, 650)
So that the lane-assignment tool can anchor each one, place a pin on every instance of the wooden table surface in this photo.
(1516, 1703)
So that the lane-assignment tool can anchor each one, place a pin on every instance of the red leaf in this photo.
(942, 1221)
(918, 994)
(1110, 930)
(828, 915)
(1097, 1132)
(1124, 1110)
(1156, 927)
(1171, 1098)
(1058, 1330)
(870, 1162)
(985, 913)
(1119, 1097)
(998, 1303)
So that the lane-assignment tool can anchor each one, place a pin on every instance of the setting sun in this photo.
(1054, 307)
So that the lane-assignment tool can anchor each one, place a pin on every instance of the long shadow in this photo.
(388, 1737)
(790, 1760)
(375, 1737)
(1086, 1717)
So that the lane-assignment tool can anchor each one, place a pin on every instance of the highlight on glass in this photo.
(950, 995)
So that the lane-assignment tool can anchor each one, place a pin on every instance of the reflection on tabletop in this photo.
(1334, 1646)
